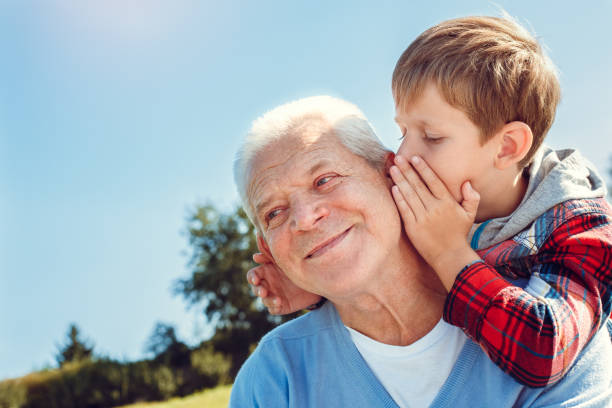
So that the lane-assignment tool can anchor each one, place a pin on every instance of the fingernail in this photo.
(399, 159)
(415, 159)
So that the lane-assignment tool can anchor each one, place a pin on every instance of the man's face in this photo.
(447, 140)
(326, 215)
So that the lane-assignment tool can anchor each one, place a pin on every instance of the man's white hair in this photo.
(345, 120)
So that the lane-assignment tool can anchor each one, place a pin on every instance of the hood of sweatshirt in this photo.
(555, 176)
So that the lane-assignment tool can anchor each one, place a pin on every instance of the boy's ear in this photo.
(263, 247)
(516, 140)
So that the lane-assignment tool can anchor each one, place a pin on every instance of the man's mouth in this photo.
(327, 245)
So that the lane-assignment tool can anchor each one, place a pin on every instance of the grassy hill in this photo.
(213, 398)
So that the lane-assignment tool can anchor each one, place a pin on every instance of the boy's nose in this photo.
(409, 147)
(406, 147)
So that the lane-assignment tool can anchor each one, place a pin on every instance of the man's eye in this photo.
(272, 214)
(323, 180)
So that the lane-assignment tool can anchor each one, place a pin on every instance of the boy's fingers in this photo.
(261, 258)
(262, 292)
(275, 306)
(268, 303)
(471, 199)
(407, 191)
(252, 277)
(403, 207)
(431, 179)
(415, 181)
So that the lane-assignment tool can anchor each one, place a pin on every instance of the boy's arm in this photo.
(533, 334)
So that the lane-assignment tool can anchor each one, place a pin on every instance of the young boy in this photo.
(474, 99)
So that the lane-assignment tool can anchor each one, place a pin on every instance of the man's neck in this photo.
(399, 308)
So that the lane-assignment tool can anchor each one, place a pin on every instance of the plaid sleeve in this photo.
(535, 334)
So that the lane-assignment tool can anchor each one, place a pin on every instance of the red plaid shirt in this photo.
(564, 262)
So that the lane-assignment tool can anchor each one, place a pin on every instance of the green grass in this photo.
(213, 398)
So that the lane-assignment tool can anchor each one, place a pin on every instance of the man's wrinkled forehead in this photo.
(299, 149)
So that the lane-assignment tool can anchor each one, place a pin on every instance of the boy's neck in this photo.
(503, 197)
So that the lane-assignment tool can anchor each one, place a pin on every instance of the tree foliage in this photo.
(166, 348)
(222, 247)
(74, 349)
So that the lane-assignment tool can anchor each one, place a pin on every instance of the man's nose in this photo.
(307, 212)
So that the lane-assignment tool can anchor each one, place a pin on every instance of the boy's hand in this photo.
(435, 223)
(277, 292)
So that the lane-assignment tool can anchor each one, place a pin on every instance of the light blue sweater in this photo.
(312, 362)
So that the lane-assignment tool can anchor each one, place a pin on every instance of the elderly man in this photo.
(312, 178)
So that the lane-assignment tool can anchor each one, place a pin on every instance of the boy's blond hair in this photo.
(491, 68)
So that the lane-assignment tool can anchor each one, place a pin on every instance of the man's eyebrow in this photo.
(318, 165)
(262, 205)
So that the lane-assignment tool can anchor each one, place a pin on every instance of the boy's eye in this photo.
(432, 139)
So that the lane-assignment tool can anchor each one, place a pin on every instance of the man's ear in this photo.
(515, 141)
(389, 161)
(263, 247)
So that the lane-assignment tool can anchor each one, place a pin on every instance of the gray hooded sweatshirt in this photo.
(555, 176)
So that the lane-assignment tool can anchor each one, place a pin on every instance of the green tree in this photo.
(222, 246)
(74, 349)
(166, 348)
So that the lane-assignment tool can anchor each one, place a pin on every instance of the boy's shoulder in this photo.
(586, 213)
(569, 218)
(567, 211)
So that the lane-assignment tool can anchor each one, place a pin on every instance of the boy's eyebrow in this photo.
(420, 122)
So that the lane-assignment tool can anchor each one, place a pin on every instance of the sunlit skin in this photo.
(450, 144)
(318, 192)
(329, 222)
(458, 180)
(441, 168)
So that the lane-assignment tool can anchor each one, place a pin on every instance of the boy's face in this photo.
(447, 140)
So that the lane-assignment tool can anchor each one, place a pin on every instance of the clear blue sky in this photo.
(118, 117)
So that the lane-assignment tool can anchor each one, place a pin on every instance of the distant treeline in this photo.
(222, 247)
(107, 383)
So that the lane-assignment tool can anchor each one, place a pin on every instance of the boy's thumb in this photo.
(471, 199)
